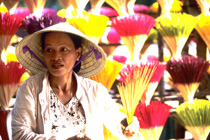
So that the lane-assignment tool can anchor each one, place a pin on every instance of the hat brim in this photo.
(89, 66)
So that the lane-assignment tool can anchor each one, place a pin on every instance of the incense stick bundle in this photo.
(35, 6)
(96, 6)
(152, 119)
(204, 5)
(74, 5)
(113, 37)
(11, 5)
(10, 54)
(208, 70)
(136, 78)
(22, 12)
(3, 9)
(91, 25)
(10, 74)
(130, 6)
(133, 30)
(166, 6)
(108, 11)
(187, 74)
(140, 8)
(108, 75)
(175, 31)
(108, 135)
(9, 24)
(119, 6)
(177, 6)
(153, 83)
(67, 10)
(32, 23)
(194, 116)
(203, 28)
(65, 3)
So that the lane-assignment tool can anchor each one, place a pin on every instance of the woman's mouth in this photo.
(57, 66)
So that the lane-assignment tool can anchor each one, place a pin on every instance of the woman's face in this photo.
(59, 53)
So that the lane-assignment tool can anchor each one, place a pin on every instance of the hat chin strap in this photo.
(97, 54)
(33, 55)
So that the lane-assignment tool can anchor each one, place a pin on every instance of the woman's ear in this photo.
(79, 53)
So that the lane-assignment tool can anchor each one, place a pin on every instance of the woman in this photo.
(59, 102)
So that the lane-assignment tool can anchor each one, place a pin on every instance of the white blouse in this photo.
(32, 116)
(70, 116)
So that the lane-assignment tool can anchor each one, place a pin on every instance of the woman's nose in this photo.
(56, 56)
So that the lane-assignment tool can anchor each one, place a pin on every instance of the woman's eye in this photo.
(48, 50)
(64, 49)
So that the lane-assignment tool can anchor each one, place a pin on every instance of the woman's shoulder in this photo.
(90, 84)
(34, 80)
(87, 81)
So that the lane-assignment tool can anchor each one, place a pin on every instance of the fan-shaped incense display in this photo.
(108, 75)
(96, 6)
(153, 83)
(11, 5)
(187, 74)
(77, 5)
(133, 30)
(91, 25)
(9, 24)
(152, 119)
(175, 30)
(166, 6)
(35, 6)
(203, 28)
(33, 23)
(136, 79)
(10, 74)
(194, 116)
(119, 5)
(204, 5)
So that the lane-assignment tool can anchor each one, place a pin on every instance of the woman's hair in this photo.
(77, 43)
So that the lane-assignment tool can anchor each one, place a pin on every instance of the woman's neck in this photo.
(63, 87)
(62, 83)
